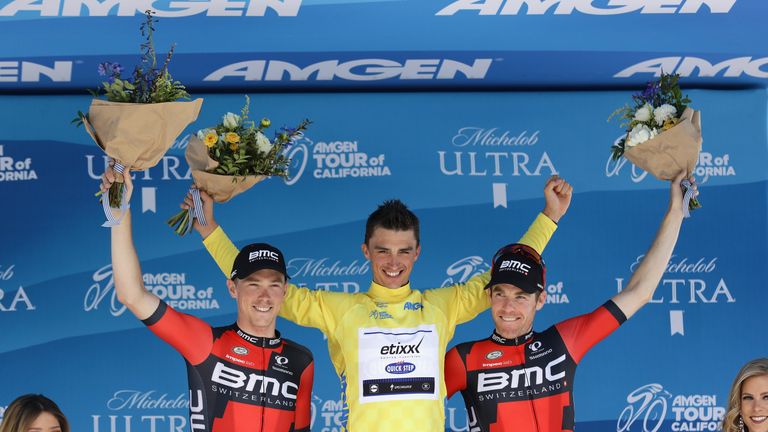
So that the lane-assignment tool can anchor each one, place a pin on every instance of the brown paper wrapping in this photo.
(138, 135)
(673, 150)
(221, 188)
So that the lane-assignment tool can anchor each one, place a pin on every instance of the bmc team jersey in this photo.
(387, 345)
(239, 382)
(526, 384)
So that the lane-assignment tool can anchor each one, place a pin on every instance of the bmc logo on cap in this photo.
(515, 265)
(263, 254)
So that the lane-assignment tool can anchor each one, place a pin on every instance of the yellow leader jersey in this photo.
(387, 345)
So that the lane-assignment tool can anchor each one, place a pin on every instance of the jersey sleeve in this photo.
(189, 335)
(315, 308)
(222, 250)
(583, 332)
(539, 233)
(303, 306)
(455, 373)
(304, 400)
(463, 302)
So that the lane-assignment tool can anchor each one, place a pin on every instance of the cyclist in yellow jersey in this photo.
(388, 344)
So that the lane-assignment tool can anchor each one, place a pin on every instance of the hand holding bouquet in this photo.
(140, 119)
(663, 133)
(229, 158)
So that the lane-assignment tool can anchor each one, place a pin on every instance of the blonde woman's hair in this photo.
(754, 368)
(23, 411)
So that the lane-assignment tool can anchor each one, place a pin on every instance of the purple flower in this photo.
(650, 93)
(112, 70)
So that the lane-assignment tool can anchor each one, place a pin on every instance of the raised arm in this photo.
(126, 270)
(645, 279)
(464, 301)
(309, 308)
(557, 199)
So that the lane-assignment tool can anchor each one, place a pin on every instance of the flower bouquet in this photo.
(140, 118)
(663, 133)
(229, 158)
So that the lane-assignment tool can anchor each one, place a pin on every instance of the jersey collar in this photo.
(520, 340)
(390, 295)
(258, 340)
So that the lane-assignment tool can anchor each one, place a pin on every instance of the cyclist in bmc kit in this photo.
(521, 380)
(388, 344)
(242, 377)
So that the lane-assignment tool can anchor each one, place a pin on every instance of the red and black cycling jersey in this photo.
(239, 382)
(526, 384)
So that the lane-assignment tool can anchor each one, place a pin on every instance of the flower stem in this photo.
(179, 222)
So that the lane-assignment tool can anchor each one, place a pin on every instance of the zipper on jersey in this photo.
(263, 377)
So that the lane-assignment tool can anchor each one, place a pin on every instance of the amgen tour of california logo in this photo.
(18, 169)
(648, 406)
(464, 269)
(333, 160)
(709, 165)
(172, 288)
(327, 415)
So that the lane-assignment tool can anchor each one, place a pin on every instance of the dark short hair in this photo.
(23, 411)
(392, 215)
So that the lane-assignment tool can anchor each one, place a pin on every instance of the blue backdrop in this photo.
(311, 44)
(471, 165)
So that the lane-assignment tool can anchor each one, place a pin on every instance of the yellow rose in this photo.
(669, 124)
(210, 139)
(232, 138)
(233, 146)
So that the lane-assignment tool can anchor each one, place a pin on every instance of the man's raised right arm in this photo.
(303, 306)
(126, 270)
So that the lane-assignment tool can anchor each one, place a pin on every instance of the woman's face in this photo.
(45, 422)
(754, 403)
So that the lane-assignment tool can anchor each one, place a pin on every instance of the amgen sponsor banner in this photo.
(588, 7)
(15, 169)
(710, 165)
(650, 406)
(335, 159)
(328, 415)
(172, 288)
(165, 9)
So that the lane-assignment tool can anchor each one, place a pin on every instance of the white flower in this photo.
(664, 113)
(640, 134)
(201, 134)
(643, 114)
(262, 143)
(231, 120)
